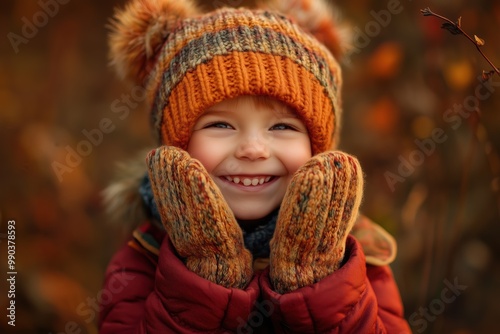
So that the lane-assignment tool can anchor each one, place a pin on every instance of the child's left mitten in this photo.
(316, 216)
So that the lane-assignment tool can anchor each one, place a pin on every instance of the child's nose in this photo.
(253, 148)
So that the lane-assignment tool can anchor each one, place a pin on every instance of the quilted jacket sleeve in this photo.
(167, 297)
(353, 299)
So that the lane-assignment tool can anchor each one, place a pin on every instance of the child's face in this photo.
(251, 148)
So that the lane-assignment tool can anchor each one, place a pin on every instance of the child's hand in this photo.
(316, 216)
(198, 220)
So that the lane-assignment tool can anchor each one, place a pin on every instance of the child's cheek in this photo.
(297, 157)
(200, 149)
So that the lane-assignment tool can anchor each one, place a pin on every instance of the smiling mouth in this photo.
(249, 181)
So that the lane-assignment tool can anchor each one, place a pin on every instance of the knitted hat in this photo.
(188, 61)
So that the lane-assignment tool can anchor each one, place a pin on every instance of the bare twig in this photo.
(456, 29)
(474, 123)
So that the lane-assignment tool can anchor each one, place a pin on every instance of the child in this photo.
(247, 107)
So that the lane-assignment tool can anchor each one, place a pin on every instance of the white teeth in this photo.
(248, 182)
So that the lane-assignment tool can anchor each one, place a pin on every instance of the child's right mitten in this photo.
(198, 220)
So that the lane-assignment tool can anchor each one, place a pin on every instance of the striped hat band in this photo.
(234, 52)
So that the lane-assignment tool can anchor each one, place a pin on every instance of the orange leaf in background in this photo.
(385, 61)
(458, 74)
(382, 117)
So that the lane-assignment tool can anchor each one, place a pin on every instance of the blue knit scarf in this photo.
(256, 241)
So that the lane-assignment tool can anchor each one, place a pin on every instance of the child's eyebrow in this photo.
(215, 112)
(288, 114)
(285, 112)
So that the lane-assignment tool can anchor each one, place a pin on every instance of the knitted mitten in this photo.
(198, 220)
(316, 215)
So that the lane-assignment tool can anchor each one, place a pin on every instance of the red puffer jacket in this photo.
(149, 290)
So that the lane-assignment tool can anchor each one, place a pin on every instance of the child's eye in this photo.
(219, 125)
(283, 126)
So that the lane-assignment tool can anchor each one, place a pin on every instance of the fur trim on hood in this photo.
(122, 200)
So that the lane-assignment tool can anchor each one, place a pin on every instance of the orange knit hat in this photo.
(189, 61)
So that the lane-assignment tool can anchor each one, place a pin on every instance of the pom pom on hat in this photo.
(139, 30)
(189, 60)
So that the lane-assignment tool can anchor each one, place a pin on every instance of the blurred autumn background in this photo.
(426, 130)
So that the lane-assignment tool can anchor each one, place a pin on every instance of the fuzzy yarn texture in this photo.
(188, 60)
(256, 241)
(198, 220)
(318, 211)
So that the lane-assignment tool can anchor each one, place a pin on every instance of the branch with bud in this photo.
(456, 29)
